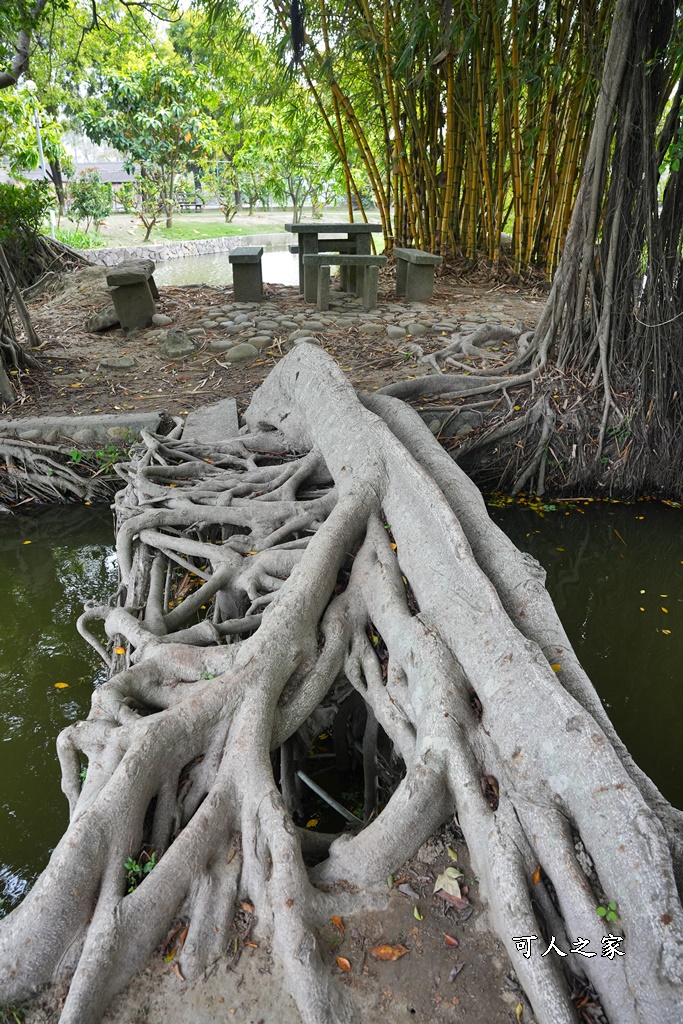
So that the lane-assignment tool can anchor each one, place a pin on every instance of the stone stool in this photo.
(247, 279)
(133, 292)
(415, 273)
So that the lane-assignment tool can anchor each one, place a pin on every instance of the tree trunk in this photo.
(338, 549)
(58, 182)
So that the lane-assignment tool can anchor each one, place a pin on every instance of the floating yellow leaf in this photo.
(642, 609)
(26, 542)
(559, 549)
(312, 823)
(119, 650)
(387, 952)
(343, 963)
(665, 610)
(556, 667)
(537, 875)
(667, 631)
(642, 591)
(338, 923)
(61, 686)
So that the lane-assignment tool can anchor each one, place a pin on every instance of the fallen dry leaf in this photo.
(450, 941)
(537, 875)
(387, 952)
(343, 963)
(176, 970)
(338, 923)
(459, 902)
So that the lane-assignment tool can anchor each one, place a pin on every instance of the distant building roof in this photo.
(110, 170)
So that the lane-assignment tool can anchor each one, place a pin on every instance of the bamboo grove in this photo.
(469, 121)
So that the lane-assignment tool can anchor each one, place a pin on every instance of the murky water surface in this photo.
(278, 266)
(605, 563)
(43, 585)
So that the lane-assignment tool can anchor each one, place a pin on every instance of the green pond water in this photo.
(605, 562)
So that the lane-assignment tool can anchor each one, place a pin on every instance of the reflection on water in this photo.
(278, 265)
(605, 563)
(616, 577)
(43, 585)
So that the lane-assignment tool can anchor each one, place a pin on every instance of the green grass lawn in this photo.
(187, 228)
(124, 229)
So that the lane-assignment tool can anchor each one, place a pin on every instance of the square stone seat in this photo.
(247, 276)
(133, 292)
(317, 276)
(415, 273)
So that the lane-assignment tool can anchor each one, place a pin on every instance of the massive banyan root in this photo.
(333, 548)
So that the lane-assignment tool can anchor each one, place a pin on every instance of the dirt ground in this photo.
(453, 970)
(75, 380)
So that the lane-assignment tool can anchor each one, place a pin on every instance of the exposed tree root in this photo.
(48, 473)
(367, 563)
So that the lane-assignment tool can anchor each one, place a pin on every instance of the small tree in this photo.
(145, 198)
(221, 182)
(91, 198)
(154, 114)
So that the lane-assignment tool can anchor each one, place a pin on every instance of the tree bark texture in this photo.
(332, 549)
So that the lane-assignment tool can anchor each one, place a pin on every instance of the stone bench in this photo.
(247, 277)
(415, 273)
(317, 276)
(341, 245)
(133, 292)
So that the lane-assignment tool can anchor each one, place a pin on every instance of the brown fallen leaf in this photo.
(537, 875)
(460, 902)
(246, 906)
(182, 935)
(450, 941)
(455, 971)
(338, 923)
(387, 952)
(176, 970)
(343, 963)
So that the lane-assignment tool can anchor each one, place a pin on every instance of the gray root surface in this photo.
(257, 579)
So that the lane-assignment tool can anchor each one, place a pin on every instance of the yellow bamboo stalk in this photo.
(482, 147)
(500, 170)
(516, 151)
(449, 157)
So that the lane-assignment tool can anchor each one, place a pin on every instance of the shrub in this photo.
(91, 198)
(22, 210)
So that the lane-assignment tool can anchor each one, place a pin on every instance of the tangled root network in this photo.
(334, 556)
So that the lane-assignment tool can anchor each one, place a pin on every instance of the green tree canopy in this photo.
(154, 113)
